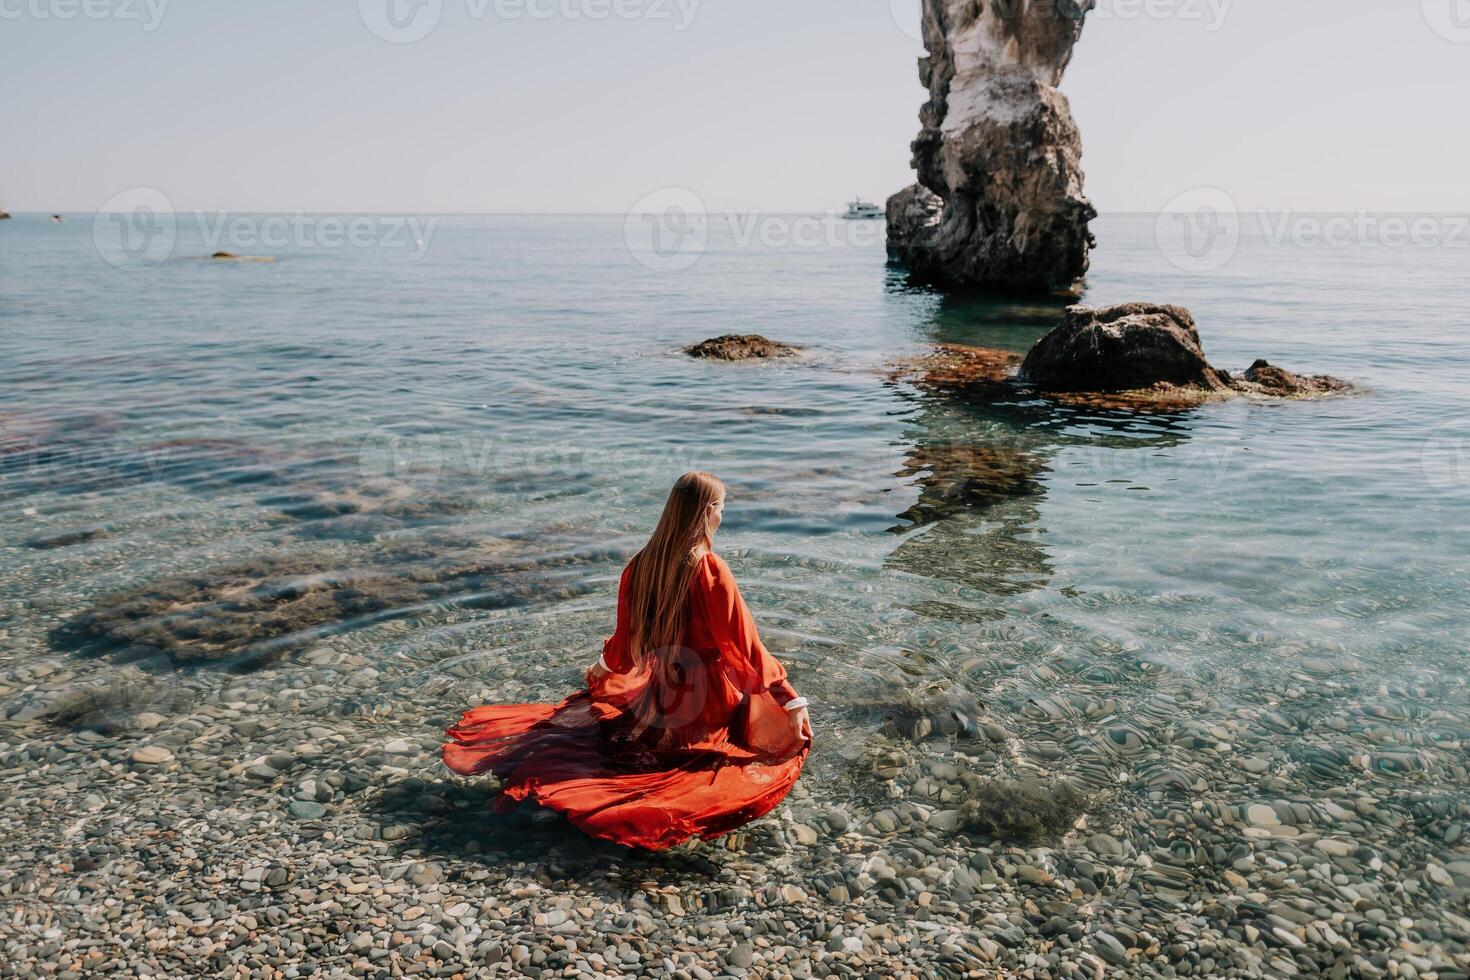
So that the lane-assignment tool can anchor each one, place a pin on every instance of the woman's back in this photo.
(684, 727)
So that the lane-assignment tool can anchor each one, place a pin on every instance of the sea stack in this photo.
(999, 204)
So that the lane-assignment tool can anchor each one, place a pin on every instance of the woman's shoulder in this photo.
(711, 567)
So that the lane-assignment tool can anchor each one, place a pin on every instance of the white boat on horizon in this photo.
(860, 210)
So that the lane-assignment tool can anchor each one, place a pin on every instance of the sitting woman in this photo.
(688, 725)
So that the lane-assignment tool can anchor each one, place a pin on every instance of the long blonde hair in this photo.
(658, 584)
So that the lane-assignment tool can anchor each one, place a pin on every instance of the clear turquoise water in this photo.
(1292, 574)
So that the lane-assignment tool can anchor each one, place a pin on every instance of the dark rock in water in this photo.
(232, 257)
(944, 709)
(1122, 348)
(1265, 378)
(251, 614)
(912, 213)
(4, 215)
(1026, 811)
(741, 347)
(1000, 147)
(64, 539)
(1144, 355)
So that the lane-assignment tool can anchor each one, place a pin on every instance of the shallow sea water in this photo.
(214, 473)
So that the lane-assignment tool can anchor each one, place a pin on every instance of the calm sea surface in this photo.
(218, 472)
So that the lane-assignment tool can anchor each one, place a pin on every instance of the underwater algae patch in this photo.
(1025, 810)
(251, 613)
(125, 701)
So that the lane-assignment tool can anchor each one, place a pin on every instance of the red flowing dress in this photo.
(650, 761)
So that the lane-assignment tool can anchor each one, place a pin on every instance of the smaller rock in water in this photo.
(1261, 815)
(741, 347)
(303, 810)
(232, 257)
(1265, 378)
(152, 755)
(741, 955)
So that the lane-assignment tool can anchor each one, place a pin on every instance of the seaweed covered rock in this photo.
(251, 614)
(128, 700)
(1264, 378)
(956, 366)
(1029, 811)
(741, 347)
(1122, 348)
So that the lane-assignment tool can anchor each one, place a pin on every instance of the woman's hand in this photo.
(801, 724)
(596, 675)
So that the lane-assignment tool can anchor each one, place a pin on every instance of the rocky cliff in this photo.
(999, 147)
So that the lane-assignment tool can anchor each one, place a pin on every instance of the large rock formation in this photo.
(1000, 149)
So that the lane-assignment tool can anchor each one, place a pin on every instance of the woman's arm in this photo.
(616, 656)
(750, 664)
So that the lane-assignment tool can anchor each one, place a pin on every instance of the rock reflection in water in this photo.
(979, 504)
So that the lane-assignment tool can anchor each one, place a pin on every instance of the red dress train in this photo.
(645, 761)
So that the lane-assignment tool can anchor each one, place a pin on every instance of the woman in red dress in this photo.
(688, 725)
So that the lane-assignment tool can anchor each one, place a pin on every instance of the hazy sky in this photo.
(588, 105)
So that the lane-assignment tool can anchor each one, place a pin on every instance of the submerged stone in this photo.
(1026, 810)
(252, 613)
